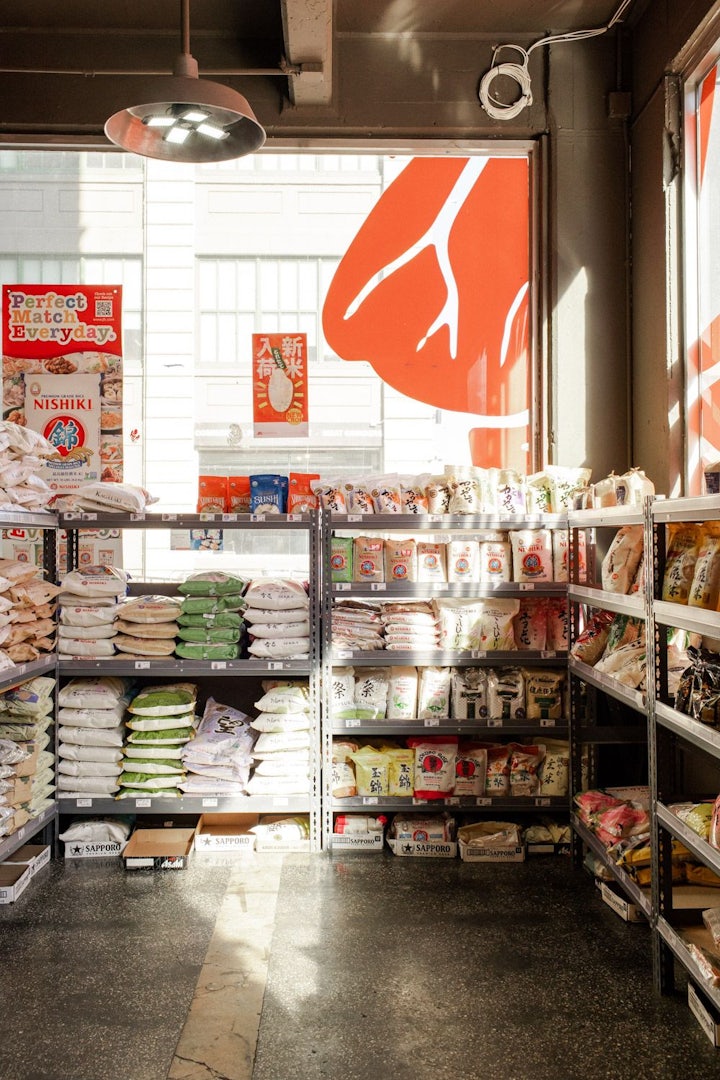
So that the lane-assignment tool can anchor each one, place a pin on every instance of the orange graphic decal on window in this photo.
(433, 290)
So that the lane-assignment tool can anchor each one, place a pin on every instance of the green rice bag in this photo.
(153, 723)
(209, 636)
(211, 605)
(167, 736)
(196, 651)
(341, 558)
(148, 782)
(161, 793)
(220, 618)
(155, 767)
(174, 699)
(211, 583)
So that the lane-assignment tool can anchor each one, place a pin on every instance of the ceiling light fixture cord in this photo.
(519, 71)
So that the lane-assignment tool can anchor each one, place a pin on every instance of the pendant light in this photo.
(185, 118)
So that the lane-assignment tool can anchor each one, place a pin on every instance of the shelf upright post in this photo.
(324, 588)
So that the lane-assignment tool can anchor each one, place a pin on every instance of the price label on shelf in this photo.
(257, 517)
(88, 517)
(352, 722)
(370, 800)
(207, 517)
(281, 800)
(142, 804)
(354, 517)
(542, 802)
(483, 802)
(454, 800)
(276, 665)
(478, 654)
(137, 517)
(435, 517)
(218, 665)
(294, 517)
(548, 654)
(495, 721)
(229, 517)
(141, 665)
(343, 586)
(169, 517)
(83, 802)
(378, 586)
(546, 721)
(420, 802)
(431, 721)
(526, 586)
(209, 802)
(343, 654)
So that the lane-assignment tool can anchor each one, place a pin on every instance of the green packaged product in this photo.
(196, 651)
(173, 699)
(341, 558)
(220, 618)
(211, 583)
(211, 605)
(210, 635)
(163, 737)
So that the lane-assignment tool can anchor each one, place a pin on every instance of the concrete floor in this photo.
(326, 968)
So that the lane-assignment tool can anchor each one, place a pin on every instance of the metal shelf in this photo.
(632, 604)
(115, 665)
(30, 519)
(22, 672)
(708, 855)
(634, 698)
(694, 620)
(703, 508)
(693, 731)
(110, 520)
(452, 802)
(10, 844)
(626, 883)
(206, 804)
(441, 658)
(680, 950)
(475, 590)
(400, 728)
(611, 516)
(445, 522)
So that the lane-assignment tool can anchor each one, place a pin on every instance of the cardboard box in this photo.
(705, 1014)
(158, 849)
(426, 849)
(14, 880)
(226, 832)
(374, 841)
(33, 855)
(92, 849)
(499, 853)
(542, 847)
(620, 904)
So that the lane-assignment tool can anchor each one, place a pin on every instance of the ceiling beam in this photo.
(307, 33)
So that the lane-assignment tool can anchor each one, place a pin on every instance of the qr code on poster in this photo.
(103, 309)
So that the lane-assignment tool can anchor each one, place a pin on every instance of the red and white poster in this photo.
(280, 385)
(62, 376)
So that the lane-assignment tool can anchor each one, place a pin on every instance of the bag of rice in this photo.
(469, 693)
(341, 558)
(530, 624)
(506, 694)
(544, 698)
(434, 765)
(211, 583)
(432, 561)
(539, 494)
(705, 589)
(371, 771)
(210, 651)
(412, 493)
(470, 769)
(269, 648)
(497, 781)
(525, 763)
(402, 694)
(401, 771)
(285, 698)
(434, 693)
(173, 699)
(532, 555)
(496, 626)
(371, 693)
(401, 560)
(495, 561)
(276, 593)
(555, 768)
(463, 560)
(368, 558)
(459, 624)
(621, 562)
(150, 609)
(558, 628)
(94, 581)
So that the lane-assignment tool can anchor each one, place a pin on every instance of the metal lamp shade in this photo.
(157, 129)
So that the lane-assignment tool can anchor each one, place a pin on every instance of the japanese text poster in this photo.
(280, 385)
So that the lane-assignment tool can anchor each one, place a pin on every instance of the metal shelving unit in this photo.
(589, 687)
(46, 822)
(443, 527)
(675, 734)
(177, 668)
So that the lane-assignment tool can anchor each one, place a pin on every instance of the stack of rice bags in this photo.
(410, 626)
(13, 815)
(26, 713)
(210, 624)
(282, 752)
(22, 454)
(27, 610)
(88, 600)
(278, 618)
(147, 626)
(160, 723)
(357, 624)
(90, 715)
(218, 759)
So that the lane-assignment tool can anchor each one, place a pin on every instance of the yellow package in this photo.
(701, 875)
(683, 545)
(401, 771)
(705, 588)
(371, 772)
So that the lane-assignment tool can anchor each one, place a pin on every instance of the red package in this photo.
(434, 765)
(238, 494)
(212, 494)
(301, 498)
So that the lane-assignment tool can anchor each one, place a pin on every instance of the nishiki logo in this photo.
(65, 433)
